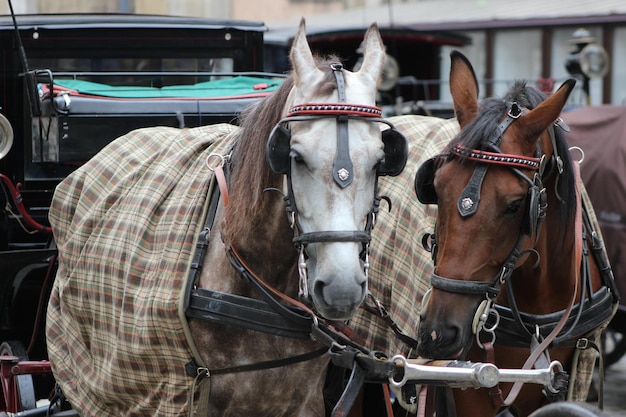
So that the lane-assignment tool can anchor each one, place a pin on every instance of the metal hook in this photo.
(303, 285)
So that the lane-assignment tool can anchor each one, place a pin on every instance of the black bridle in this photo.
(342, 172)
(467, 203)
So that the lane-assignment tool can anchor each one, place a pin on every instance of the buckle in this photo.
(515, 111)
(582, 343)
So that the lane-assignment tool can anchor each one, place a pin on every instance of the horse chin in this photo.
(336, 296)
(337, 310)
(444, 353)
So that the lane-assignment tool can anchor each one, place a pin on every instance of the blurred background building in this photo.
(532, 40)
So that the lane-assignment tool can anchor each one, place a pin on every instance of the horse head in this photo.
(491, 201)
(330, 149)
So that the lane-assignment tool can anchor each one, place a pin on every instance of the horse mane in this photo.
(250, 172)
(477, 132)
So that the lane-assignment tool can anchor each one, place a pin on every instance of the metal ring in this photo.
(582, 153)
(221, 158)
(493, 328)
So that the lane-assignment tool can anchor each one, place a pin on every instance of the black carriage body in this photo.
(51, 139)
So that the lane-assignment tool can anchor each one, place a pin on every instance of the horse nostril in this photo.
(451, 333)
(439, 341)
(318, 289)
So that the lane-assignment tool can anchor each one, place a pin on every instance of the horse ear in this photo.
(546, 113)
(373, 55)
(301, 57)
(464, 88)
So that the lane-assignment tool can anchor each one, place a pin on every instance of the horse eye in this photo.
(297, 158)
(514, 206)
(379, 163)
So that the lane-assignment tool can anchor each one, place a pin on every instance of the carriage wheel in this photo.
(24, 382)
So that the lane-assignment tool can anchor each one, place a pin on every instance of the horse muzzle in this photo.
(337, 290)
(445, 334)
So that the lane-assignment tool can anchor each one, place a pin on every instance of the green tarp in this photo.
(226, 87)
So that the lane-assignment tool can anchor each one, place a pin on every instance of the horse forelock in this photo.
(478, 131)
(327, 84)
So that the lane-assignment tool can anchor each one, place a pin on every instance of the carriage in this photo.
(601, 173)
(335, 295)
(72, 87)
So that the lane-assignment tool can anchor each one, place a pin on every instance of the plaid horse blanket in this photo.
(125, 224)
(399, 266)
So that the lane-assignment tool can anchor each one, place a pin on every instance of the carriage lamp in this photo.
(6, 136)
(391, 70)
(587, 60)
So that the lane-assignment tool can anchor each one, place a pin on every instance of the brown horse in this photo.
(175, 295)
(510, 245)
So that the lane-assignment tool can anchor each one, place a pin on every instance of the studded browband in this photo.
(335, 109)
(496, 158)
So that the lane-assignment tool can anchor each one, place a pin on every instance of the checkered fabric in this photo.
(125, 224)
(400, 267)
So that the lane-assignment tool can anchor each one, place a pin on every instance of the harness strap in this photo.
(543, 346)
(248, 313)
(467, 204)
(223, 187)
(465, 287)
(352, 390)
(380, 311)
(333, 236)
(269, 364)
(334, 109)
(515, 111)
(595, 310)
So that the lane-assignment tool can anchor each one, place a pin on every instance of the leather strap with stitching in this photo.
(545, 343)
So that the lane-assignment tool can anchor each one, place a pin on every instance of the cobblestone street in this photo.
(615, 389)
